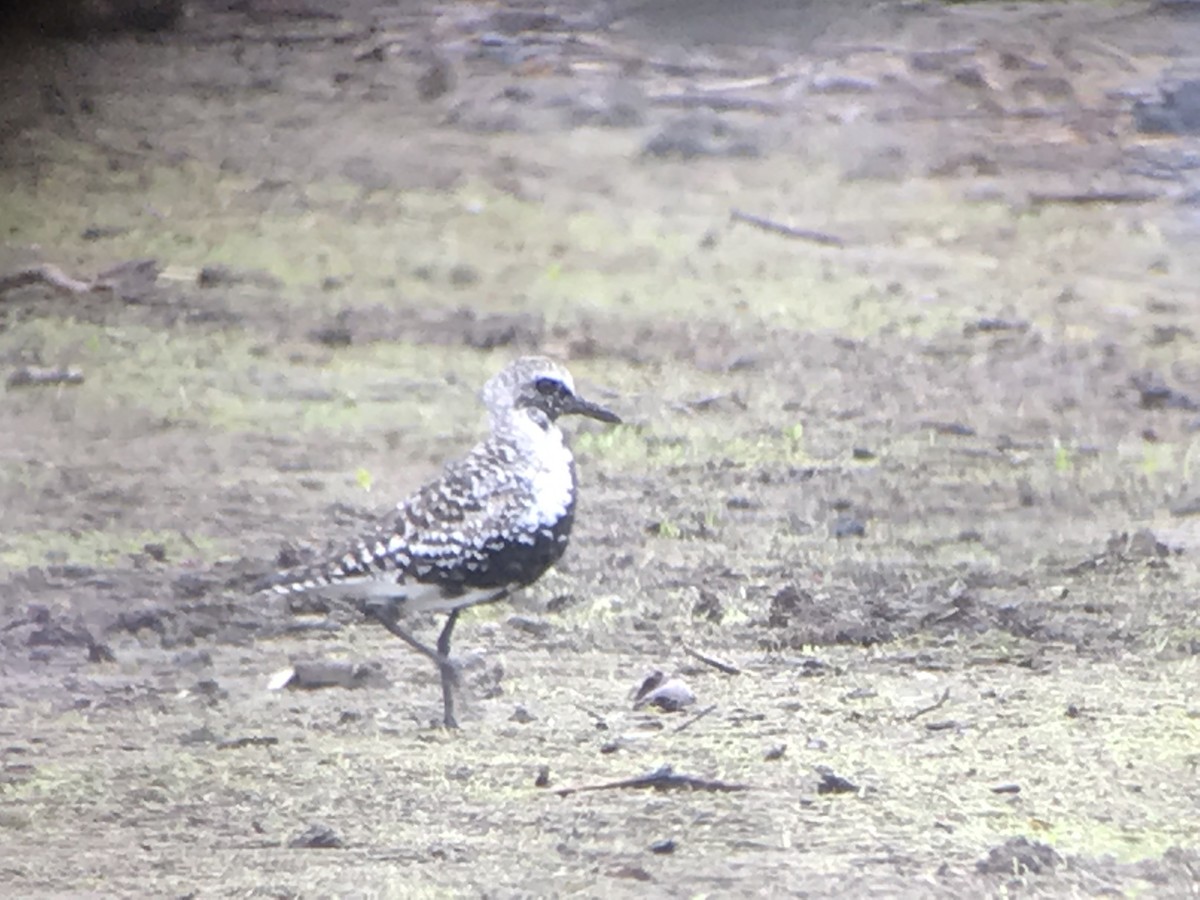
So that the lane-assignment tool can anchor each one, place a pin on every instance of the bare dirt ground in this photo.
(926, 483)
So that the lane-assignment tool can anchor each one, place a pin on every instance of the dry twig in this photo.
(801, 234)
(1079, 198)
(661, 779)
(938, 704)
(696, 718)
(718, 102)
(44, 274)
(719, 665)
(34, 376)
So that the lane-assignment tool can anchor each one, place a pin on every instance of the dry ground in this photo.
(930, 490)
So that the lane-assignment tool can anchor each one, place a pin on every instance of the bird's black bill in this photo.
(580, 407)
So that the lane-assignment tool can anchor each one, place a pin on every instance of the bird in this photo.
(492, 523)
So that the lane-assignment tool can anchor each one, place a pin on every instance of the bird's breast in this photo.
(551, 484)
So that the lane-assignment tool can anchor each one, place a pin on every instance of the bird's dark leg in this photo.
(443, 643)
(446, 665)
(387, 620)
(386, 616)
(448, 671)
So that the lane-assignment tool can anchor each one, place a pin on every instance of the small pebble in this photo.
(846, 526)
(671, 696)
(832, 783)
(317, 836)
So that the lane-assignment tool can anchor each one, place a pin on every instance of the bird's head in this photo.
(542, 386)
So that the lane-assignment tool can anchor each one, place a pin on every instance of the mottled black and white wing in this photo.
(463, 539)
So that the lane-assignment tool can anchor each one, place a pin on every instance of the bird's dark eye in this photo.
(547, 386)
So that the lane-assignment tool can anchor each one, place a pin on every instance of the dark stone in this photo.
(332, 336)
(201, 735)
(693, 136)
(708, 607)
(191, 586)
(317, 836)
(786, 602)
(832, 783)
(1154, 393)
(848, 526)
(670, 696)
(316, 674)
(1175, 111)
(436, 79)
(100, 653)
(522, 716)
(1018, 856)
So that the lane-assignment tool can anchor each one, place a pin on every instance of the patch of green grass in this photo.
(1064, 459)
(1158, 458)
(668, 529)
(225, 380)
(688, 441)
(98, 548)
(566, 265)
(924, 261)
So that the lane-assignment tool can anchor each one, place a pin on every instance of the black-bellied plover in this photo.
(494, 521)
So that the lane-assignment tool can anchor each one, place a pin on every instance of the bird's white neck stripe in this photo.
(551, 468)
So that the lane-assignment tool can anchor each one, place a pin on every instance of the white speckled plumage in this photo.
(494, 521)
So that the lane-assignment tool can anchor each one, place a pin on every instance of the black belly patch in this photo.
(514, 560)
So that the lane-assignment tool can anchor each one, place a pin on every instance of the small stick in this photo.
(598, 719)
(727, 668)
(718, 102)
(781, 77)
(46, 274)
(801, 234)
(33, 376)
(662, 779)
(1044, 198)
(1127, 62)
(696, 718)
(187, 539)
(938, 704)
(376, 50)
